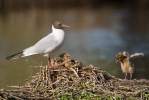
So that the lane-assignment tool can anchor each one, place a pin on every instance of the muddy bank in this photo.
(70, 78)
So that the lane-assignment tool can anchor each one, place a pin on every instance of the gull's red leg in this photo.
(49, 61)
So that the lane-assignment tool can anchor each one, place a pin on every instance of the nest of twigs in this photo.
(71, 79)
(67, 75)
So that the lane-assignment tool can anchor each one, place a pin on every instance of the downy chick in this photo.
(125, 60)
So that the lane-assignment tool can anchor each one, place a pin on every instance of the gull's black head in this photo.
(60, 25)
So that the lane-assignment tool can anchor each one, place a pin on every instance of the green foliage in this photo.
(61, 96)
(108, 89)
(146, 96)
(117, 97)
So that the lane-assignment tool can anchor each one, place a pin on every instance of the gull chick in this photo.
(127, 65)
(46, 45)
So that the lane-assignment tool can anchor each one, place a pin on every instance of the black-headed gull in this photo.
(46, 45)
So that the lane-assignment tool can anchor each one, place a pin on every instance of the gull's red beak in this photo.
(65, 26)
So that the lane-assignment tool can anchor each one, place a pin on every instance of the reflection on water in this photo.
(94, 38)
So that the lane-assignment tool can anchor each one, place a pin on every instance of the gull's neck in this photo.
(57, 31)
(54, 29)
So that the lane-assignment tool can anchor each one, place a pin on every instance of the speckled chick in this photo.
(127, 65)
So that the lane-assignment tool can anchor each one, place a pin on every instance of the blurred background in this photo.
(99, 30)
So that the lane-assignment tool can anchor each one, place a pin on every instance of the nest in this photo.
(67, 75)
(69, 78)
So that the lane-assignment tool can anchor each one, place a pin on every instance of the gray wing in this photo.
(45, 45)
(136, 54)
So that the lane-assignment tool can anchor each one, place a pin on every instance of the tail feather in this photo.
(15, 56)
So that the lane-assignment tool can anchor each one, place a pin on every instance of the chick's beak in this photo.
(117, 60)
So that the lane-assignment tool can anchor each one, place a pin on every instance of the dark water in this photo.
(95, 36)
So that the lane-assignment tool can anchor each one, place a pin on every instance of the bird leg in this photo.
(49, 61)
(130, 76)
(125, 76)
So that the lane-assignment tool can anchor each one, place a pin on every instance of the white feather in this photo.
(47, 44)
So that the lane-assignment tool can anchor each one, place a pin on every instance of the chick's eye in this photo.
(119, 56)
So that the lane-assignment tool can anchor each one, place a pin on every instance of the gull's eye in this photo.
(58, 24)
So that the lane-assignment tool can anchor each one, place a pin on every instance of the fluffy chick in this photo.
(127, 65)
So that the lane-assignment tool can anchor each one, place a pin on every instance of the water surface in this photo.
(95, 36)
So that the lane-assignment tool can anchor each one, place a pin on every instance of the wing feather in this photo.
(136, 54)
(45, 45)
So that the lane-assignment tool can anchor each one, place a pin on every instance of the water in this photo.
(95, 36)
